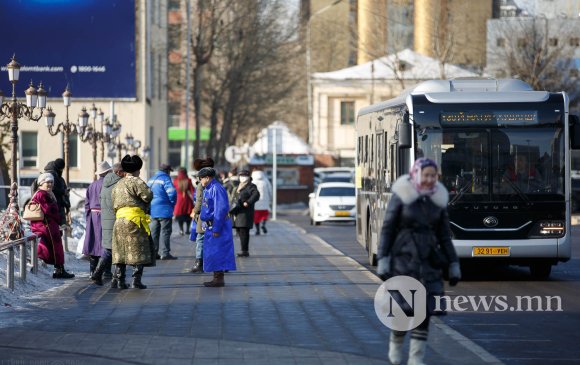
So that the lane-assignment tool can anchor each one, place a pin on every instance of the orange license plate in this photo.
(491, 251)
(342, 214)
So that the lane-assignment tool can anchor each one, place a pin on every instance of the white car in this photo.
(333, 201)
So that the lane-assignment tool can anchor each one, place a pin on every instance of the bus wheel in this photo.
(541, 270)
(316, 223)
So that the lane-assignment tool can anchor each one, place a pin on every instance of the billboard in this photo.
(87, 44)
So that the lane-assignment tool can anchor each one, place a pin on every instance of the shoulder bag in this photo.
(32, 211)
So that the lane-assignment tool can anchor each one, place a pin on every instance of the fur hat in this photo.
(131, 163)
(199, 164)
(47, 176)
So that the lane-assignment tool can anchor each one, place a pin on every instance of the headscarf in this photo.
(415, 175)
(47, 176)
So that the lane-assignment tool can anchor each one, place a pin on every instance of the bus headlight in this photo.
(548, 229)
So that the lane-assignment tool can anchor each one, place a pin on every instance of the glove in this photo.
(384, 268)
(454, 273)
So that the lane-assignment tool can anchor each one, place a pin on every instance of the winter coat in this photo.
(164, 195)
(50, 248)
(197, 211)
(184, 204)
(131, 244)
(93, 230)
(416, 235)
(244, 216)
(261, 181)
(60, 191)
(107, 211)
(218, 252)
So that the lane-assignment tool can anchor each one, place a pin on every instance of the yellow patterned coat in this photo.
(131, 241)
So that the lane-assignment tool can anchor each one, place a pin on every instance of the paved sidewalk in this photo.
(295, 300)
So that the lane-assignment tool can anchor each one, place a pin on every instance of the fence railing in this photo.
(10, 246)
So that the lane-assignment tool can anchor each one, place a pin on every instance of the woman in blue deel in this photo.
(218, 244)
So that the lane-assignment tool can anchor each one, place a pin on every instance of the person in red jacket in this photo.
(184, 206)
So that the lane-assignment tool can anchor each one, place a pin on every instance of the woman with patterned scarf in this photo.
(416, 241)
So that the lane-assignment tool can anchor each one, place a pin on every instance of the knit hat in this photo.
(206, 171)
(199, 164)
(59, 163)
(131, 163)
(244, 173)
(44, 177)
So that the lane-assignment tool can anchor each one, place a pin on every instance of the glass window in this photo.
(29, 149)
(73, 148)
(500, 42)
(346, 112)
(336, 191)
(574, 42)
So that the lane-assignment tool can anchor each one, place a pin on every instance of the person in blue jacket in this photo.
(164, 199)
(218, 242)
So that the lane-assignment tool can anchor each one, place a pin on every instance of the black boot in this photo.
(137, 274)
(119, 277)
(198, 267)
(264, 227)
(61, 273)
(97, 276)
(93, 262)
(257, 229)
(108, 274)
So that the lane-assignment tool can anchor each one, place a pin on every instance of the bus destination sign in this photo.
(482, 118)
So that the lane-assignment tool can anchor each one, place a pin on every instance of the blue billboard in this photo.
(87, 44)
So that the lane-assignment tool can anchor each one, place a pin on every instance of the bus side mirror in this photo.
(574, 123)
(405, 132)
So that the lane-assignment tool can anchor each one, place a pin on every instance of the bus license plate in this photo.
(491, 251)
(342, 214)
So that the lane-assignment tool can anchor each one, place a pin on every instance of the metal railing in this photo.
(9, 246)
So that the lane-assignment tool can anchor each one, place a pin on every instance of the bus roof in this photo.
(465, 91)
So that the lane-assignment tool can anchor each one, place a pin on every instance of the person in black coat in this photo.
(242, 209)
(416, 241)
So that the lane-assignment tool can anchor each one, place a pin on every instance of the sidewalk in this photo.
(295, 300)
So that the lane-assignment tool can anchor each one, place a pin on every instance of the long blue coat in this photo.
(218, 252)
(93, 236)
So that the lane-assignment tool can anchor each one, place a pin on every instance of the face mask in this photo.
(243, 179)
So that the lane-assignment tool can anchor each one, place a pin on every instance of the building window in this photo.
(522, 42)
(500, 42)
(347, 112)
(29, 149)
(553, 42)
(73, 148)
(574, 42)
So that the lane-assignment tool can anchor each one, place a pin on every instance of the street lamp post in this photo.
(308, 69)
(67, 129)
(14, 110)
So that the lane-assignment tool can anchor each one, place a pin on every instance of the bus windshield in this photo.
(498, 164)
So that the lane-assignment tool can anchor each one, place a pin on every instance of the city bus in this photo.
(484, 134)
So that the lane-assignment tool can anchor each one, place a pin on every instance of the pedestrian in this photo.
(218, 246)
(231, 182)
(107, 223)
(184, 206)
(242, 210)
(50, 248)
(197, 235)
(93, 247)
(131, 246)
(164, 199)
(60, 189)
(262, 206)
(416, 241)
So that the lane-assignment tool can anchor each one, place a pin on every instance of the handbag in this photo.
(32, 211)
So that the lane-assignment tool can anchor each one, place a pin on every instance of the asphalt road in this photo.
(524, 336)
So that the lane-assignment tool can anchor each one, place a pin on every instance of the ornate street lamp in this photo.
(13, 110)
(67, 129)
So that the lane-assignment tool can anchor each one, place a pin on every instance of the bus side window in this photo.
(393, 162)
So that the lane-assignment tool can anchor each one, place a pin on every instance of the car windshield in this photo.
(337, 179)
(507, 164)
(336, 191)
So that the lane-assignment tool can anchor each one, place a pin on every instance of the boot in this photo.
(93, 262)
(244, 254)
(108, 274)
(198, 267)
(119, 277)
(137, 274)
(218, 280)
(264, 227)
(396, 348)
(417, 352)
(97, 276)
(61, 273)
(257, 229)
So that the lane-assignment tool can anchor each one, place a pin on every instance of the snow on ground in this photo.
(37, 286)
